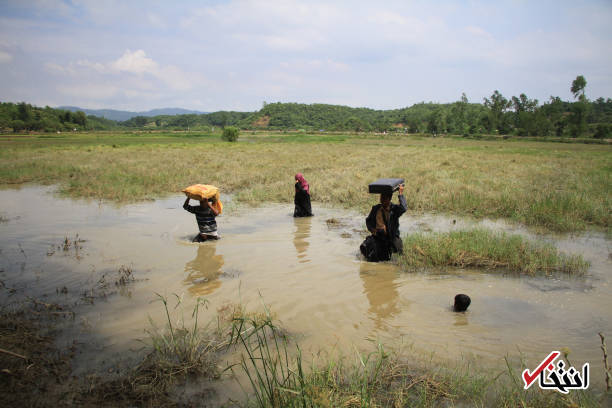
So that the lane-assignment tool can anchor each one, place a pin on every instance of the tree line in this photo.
(498, 115)
(25, 117)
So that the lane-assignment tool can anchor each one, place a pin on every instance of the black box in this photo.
(385, 185)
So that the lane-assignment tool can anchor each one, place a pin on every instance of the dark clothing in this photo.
(302, 202)
(203, 238)
(393, 223)
(380, 245)
(205, 218)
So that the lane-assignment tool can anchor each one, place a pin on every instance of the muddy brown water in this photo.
(308, 272)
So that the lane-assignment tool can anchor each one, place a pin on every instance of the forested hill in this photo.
(334, 117)
(498, 115)
(119, 116)
(25, 117)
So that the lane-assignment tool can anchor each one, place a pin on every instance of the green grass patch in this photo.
(481, 248)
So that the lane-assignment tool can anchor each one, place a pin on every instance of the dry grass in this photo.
(558, 187)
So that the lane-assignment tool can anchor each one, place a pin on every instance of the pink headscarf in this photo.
(300, 177)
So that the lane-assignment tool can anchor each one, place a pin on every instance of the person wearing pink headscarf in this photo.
(302, 197)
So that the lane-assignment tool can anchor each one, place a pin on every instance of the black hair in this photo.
(462, 302)
(386, 195)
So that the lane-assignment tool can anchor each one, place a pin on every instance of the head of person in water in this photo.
(462, 302)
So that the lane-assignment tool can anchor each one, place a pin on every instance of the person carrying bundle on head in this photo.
(209, 208)
(383, 224)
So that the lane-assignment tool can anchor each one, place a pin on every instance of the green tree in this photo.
(578, 86)
(139, 121)
(498, 105)
(579, 108)
(555, 110)
(230, 133)
(435, 122)
(457, 117)
(524, 117)
(603, 131)
(354, 123)
(24, 114)
(18, 125)
(80, 118)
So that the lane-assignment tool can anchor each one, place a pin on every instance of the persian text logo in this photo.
(561, 379)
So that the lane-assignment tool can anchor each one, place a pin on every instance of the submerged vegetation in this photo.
(267, 362)
(174, 353)
(279, 377)
(486, 249)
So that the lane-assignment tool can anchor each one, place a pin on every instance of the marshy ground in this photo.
(307, 271)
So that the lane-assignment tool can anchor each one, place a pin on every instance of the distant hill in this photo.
(121, 116)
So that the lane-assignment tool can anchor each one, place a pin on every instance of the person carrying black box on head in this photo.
(383, 222)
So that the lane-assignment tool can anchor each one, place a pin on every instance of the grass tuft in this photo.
(176, 352)
(481, 248)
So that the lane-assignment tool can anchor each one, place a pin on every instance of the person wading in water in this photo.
(205, 216)
(302, 197)
(383, 223)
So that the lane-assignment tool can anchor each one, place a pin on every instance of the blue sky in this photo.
(234, 55)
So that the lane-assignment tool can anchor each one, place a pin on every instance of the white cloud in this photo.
(54, 68)
(179, 80)
(96, 66)
(5, 57)
(314, 66)
(89, 91)
(477, 31)
(135, 62)
(52, 6)
(156, 20)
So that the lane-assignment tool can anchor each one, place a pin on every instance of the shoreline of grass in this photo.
(482, 248)
(559, 188)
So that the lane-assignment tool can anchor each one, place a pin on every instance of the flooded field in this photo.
(308, 271)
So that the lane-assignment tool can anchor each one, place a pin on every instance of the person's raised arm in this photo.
(186, 206)
(402, 200)
(212, 208)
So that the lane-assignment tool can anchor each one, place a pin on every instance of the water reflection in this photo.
(300, 237)
(381, 291)
(461, 318)
(204, 270)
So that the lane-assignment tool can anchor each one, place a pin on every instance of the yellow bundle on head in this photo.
(203, 192)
